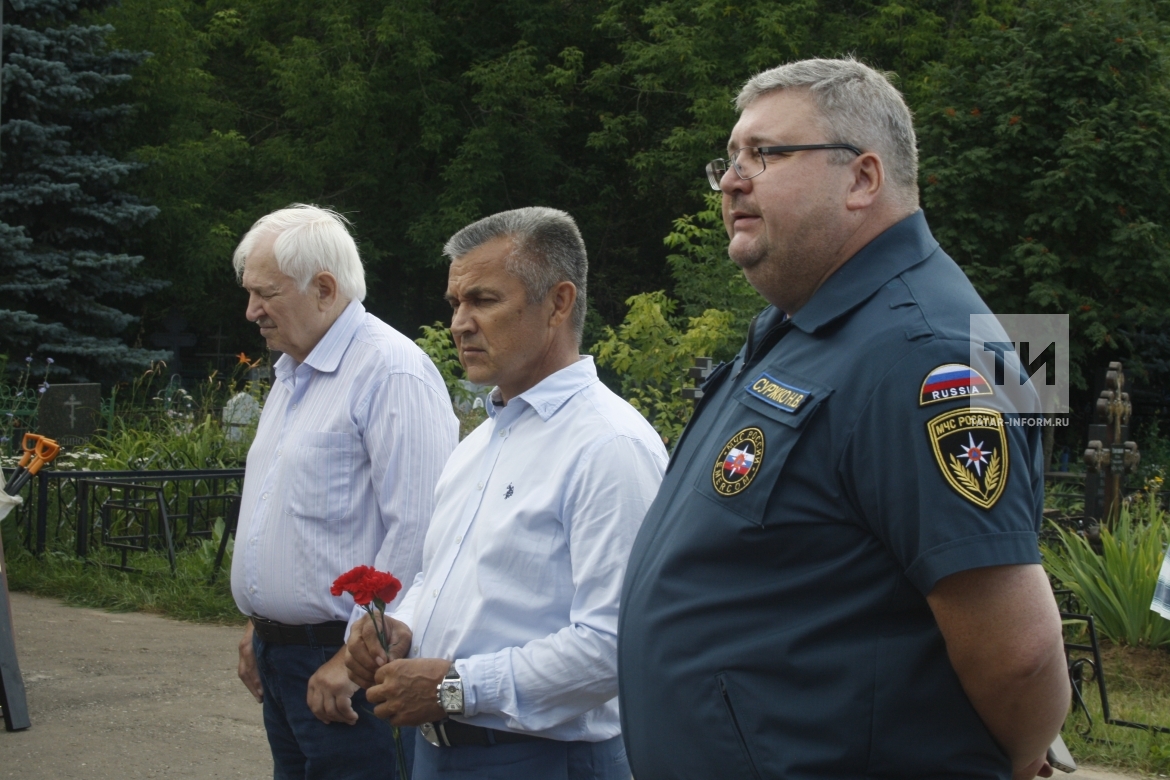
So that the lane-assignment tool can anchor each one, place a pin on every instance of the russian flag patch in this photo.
(951, 381)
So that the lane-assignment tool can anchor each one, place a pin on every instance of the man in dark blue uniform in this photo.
(840, 575)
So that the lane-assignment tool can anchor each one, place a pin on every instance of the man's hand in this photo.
(1038, 768)
(364, 654)
(407, 691)
(330, 690)
(247, 668)
(1003, 635)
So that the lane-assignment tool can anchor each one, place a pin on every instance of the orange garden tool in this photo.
(29, 444)
(42, 451)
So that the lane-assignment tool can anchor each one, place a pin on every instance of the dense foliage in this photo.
(415, 117)
(65, 275)
(1043, 127)
(1045, 159)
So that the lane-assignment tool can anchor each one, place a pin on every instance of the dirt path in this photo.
(115, 696)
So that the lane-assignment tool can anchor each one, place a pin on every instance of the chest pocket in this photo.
(318, 474)
(760, 427)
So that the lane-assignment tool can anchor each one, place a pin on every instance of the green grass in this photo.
(186, 596)
(1138, 685)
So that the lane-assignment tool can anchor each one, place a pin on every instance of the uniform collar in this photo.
(326, 356)
(901, 246)
(550, 393)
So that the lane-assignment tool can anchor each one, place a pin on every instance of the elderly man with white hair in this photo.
(342, 472)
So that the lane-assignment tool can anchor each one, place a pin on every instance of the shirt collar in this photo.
(550, 393)
(901, 246)
(326, 355)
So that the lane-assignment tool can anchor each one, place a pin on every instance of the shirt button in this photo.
(254, 541)
(278, 453)
(252, 589)
(265, 496)
(294, 406)
(503, 433)
(458, 539)
(434, 594)
(479, 486)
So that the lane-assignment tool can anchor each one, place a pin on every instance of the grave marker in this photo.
(69, 414)
(1109, 456)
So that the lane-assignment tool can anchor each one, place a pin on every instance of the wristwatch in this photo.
(451, 693)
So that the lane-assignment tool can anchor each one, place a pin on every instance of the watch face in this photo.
(451, 695)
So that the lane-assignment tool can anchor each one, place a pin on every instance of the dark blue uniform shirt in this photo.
(774, 621)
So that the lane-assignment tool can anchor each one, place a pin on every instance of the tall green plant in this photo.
(1117, 585)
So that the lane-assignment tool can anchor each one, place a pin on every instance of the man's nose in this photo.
(732, 182)
(461, 321)
(255, 308)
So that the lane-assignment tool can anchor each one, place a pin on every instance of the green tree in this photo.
(65, 271)
(1045, 150)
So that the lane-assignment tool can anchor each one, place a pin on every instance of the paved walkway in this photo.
(115, 696)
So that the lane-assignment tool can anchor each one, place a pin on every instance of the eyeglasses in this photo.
(749, 160)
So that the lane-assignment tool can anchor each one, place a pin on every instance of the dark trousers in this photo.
(304, 748)
(544, 759)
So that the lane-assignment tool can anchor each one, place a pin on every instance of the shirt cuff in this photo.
(481, 680)
(973, 552)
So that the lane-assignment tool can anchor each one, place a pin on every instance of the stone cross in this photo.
(1109, 456)
(699, 372)
(218, 355)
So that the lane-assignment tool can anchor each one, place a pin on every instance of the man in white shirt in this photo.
(351, 441)
(515, 610)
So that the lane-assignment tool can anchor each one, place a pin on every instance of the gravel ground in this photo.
(114, 696)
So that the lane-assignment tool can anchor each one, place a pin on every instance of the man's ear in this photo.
(869, 176)
(325, 286)
(563, 296)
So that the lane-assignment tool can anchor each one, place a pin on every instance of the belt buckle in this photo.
(435, 734)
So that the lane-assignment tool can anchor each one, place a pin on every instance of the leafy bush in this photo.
(1117, 586)
(651, 351)
(436, 341)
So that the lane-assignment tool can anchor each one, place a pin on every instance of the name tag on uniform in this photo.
(772, 391)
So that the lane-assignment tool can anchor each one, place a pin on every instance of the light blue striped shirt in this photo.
(342, 471)
(535, 515)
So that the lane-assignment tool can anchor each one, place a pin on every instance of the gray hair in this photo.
(859, 105)
(547, 250)
(309, 240)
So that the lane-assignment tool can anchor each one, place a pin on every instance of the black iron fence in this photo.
(126, 510)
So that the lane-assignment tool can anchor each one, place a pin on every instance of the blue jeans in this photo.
(544, 759)
(304, 748)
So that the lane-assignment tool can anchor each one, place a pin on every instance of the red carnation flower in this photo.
(366, 584)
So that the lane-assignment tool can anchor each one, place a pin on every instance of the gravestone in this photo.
(240, 412)
(174, 338)
(69, 414)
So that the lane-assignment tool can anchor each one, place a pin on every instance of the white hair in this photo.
(859, 106)
(309, 240)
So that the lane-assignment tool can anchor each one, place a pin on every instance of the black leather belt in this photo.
(329, 634)
(452, 733)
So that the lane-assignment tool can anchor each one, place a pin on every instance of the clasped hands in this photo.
(403, 690)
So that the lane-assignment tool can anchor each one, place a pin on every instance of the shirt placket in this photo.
(446, 560)
(298, 384)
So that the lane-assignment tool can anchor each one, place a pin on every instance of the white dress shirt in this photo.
(342, 471)
(535, 514)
